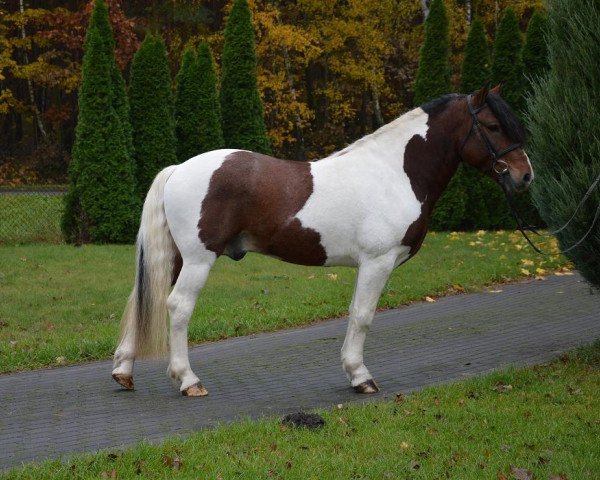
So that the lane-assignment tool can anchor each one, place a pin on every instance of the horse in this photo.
(366, 206)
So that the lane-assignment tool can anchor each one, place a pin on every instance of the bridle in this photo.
(499, 166)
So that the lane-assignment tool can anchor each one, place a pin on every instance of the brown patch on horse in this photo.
(429, 164)
(251, 205)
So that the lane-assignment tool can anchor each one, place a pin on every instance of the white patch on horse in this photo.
(362, 202)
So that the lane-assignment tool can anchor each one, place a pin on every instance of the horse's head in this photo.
(494, 142)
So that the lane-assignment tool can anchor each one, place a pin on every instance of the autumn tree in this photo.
(241, 105)
(151, 112)
(507, 66)
(564, 114)
(100, 205)
(433, 73)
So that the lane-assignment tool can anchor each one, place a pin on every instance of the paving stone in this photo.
(59, 412)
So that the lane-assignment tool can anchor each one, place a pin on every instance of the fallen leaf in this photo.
(458, 287)
(524, 271)
(521, 473)
(399, 398)
(332, 276)
(540, 271)
(558, 274)
(501, 476)
(526, 262)
(502, 387)
(60, 360)
(560, 476)
(404, 446)
(480, 233)
(495, 291)
(539, 277)
(429, 299)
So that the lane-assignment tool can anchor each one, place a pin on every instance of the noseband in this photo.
(499, 166)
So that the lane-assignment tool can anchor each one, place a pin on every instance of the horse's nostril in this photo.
(527, 178)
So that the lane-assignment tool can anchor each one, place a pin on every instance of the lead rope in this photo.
(522, 225)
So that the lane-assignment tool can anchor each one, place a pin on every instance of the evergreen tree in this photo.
(241, 105)
(211, 134)
(507, 66)
(187, 107)
(101, 22)
(151, 112)
(535, 51)
(564, 114)
(433, 74)
(485, 204)
(475, 71)
(100, 205)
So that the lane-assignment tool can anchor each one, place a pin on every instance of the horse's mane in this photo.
(510, 123)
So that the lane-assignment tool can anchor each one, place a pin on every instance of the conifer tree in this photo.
(507, 66)
(187, 107)
(475, 72)
(433, 74)
(564, 114)
(211, 133)
(535, 51)
(100, 205)
(100, 20)
(241, 105)
(152, 122)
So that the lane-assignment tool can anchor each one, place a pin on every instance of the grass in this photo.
(540, 422)
(31, 217)
(61, 304)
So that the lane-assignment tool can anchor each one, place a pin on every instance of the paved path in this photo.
(51, 413)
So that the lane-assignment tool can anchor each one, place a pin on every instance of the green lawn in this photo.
(61, 304)
(535, 423)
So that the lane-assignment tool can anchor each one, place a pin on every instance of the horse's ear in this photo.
(480, 95)
(497, 89)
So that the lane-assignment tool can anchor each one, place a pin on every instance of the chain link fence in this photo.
(31, 213)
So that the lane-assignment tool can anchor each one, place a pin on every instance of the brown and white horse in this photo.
(366, 206)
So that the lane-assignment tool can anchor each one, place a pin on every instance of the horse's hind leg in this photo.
(181, 304)
(370, 280)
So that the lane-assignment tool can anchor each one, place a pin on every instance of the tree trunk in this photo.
(425, 8)
(29, 83)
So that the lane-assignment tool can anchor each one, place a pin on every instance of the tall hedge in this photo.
(507, 65)
(100, 204)
(101, 21)
(564, 115)
(535, 51)
(211, 133)
(187, 107)
(433, 74)
(151, 112)
(485, 206)
(241, 105)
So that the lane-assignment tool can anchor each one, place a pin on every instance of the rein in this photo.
(503, 171)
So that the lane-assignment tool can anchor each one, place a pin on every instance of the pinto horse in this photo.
(366, 206)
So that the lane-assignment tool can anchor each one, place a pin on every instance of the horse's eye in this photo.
(493, 128)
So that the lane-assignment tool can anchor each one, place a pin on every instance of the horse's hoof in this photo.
(126, 381)
(196, 390)
(367, 387)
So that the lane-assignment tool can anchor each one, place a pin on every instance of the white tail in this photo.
(145, 316)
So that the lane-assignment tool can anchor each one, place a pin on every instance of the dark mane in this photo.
(438, 104)
(511, 125)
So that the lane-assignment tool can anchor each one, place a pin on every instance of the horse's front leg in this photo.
(370, 280)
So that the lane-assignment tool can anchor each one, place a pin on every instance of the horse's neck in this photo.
(415, 145)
